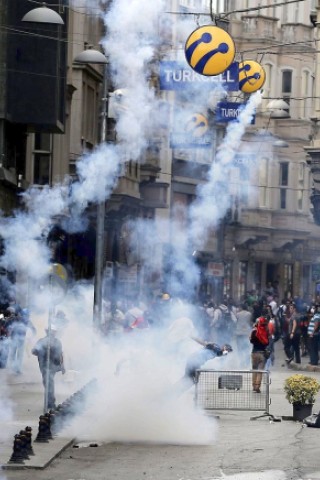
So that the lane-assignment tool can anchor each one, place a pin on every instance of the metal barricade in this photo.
(231, 390)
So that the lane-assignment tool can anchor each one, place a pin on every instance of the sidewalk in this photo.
(22, 401)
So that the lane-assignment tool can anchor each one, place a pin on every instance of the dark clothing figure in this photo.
(294, 336)
(197, 359)
(41, 349)
(313, 337)
(260, 341)
(4, 341)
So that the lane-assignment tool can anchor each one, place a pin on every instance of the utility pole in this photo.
(101, 211)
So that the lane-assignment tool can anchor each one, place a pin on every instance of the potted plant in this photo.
(301, 391)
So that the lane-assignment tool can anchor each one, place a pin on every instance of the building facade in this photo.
(268, 239)
(49, 117)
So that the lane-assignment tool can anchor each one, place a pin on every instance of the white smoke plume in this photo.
(213, 198)
(130, 44)
(134, 405)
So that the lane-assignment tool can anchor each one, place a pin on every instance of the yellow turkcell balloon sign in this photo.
(197, 125)
(209, 50)
(251, 76)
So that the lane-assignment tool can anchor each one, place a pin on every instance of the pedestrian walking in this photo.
(286, 339)
(17, 331)
(50, 358)
(313, 336)
(294, 334)
(304, 323)
(272, 331)
(259, 338)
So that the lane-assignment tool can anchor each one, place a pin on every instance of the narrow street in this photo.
(244, 449)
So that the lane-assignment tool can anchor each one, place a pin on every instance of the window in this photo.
(42, 155)
(90, 108)
(283, 198)
(283, 182)
(286, 85)
(284, 174)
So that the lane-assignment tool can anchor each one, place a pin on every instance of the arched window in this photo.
(286, 85)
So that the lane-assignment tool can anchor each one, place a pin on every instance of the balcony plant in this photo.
(301, 391)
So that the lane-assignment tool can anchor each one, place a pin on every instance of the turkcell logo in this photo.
(178, 76)
(229, 111)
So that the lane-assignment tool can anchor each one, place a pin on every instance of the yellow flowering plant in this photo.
(301, 389)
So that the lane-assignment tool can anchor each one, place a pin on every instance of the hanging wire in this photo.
(211, 11)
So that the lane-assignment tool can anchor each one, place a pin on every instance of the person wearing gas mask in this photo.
(196, 360)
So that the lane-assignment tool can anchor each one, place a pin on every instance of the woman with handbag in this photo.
(259, 338)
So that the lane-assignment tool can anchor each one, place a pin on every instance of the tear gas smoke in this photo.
(134, 405)
(213, 198)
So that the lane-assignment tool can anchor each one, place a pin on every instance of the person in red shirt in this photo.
(259, 338)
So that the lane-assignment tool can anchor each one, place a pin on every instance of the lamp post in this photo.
(43, 15)
(91, 56)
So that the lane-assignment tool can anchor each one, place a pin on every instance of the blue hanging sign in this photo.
(179, 76)
(230, 111)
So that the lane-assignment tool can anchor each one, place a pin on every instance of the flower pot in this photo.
(300, 412)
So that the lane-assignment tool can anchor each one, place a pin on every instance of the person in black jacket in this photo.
(259, 338)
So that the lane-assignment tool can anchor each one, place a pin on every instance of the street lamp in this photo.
(43, 15)
(278, 109)
(46, 15)
(91, 56)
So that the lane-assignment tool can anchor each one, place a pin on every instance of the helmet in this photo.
(165, 296)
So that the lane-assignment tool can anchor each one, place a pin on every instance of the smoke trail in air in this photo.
(213, 198)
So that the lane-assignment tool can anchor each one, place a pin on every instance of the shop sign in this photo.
(215, 269)
(179, 76)
(230, 111)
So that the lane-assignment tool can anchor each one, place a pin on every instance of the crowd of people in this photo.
(249, 329)
(295, 322)
(14, 325)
